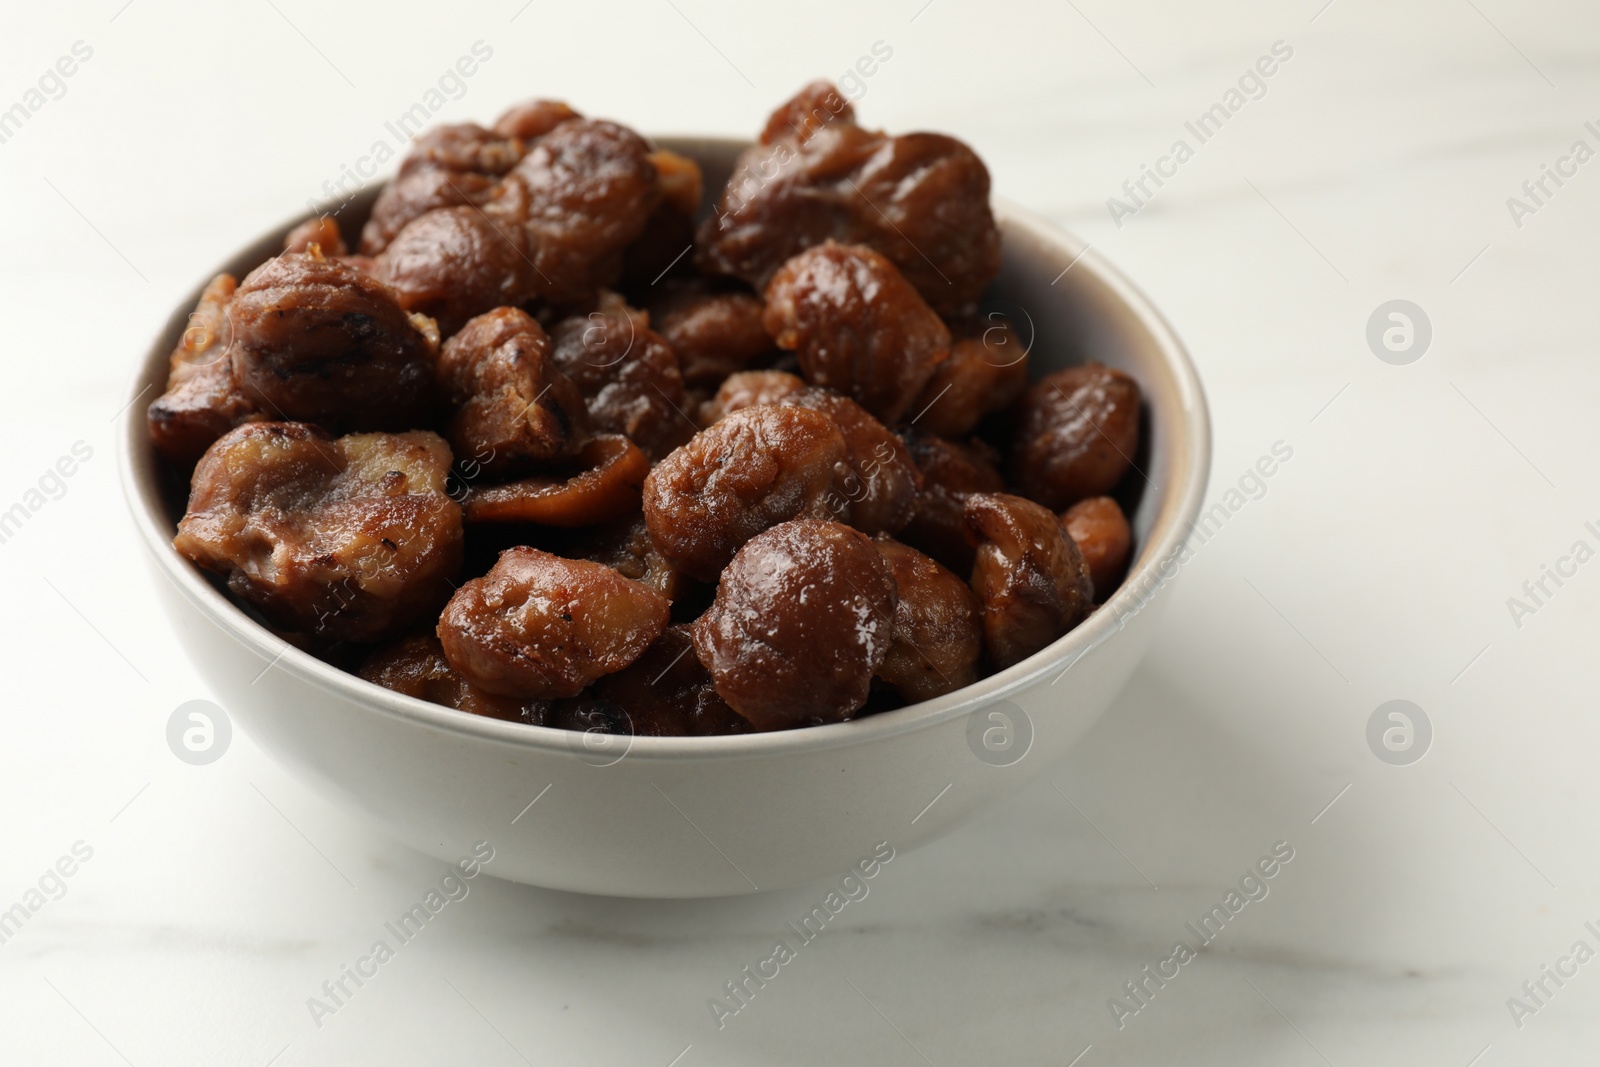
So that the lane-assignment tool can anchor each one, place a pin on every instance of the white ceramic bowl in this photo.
(708, 816)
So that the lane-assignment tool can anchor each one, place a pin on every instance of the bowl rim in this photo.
(1178, 506)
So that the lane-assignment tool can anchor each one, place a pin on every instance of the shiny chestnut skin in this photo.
(446, 166)
(715, 331)
(937, 642)
(921, 199)
(590, 188)
(322, 231)
(538, 626)
(1076, 434)
(856, 326)
(513, 411)
(201, 402)
(755, 468)
(803, 618)
(1100, 530)
(350, 539)
(748, 388)
(986, 372)
(457, 262)
(1029, 576)
(878, 494)
(627, 373)
(532, 119)
(316, 340)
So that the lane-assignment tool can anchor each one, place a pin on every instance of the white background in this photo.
(1378, 565)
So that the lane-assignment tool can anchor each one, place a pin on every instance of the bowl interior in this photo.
(1067, 305)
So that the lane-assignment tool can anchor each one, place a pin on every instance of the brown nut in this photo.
(986, 372)
(752, 470)
(514, 410)
(1029, 575)
(715, 332)
(416, 666)
(539, 627)
(607, 486)
(201, 402)
(453, 263)
(532, 119)
(856, 326)
(748, 388)
(951, 471)
(1100, 530)
(878, 493)
(813, 107)
(666, 692)
(938, 639)
(447, 166)
(590, 189)
(627, 374)
(804, 617)
(351, 539)
(921, 199)
(322, 231)
(1076, 435)
(315, 340)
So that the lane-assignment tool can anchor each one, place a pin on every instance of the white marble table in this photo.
(1376, 165)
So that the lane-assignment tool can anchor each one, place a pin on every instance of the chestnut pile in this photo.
(550, 446)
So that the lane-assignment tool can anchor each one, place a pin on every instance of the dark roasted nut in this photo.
(986, 372)
(322, 231)
(714, 332)
(921, 199)
(1029, 575)
(416, 666)
(606, 486)
(539, 627)
(201, 402)
(317, 341)
(532, 119)
(752, 470)
(856, 326)
(950, 473)
(447, 166)
(351, 539)
(668, 693)
(625, 546)
(938, 638)
(879, 491)
(457, 262)
(463, 147)
(808, 111)
(514, 409)
(627, 374)
(591, 187)
(747, 389)
(411, 196)
(1100, 530)
(1076, 435)
(804, 617)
